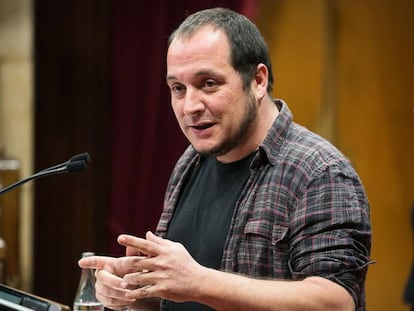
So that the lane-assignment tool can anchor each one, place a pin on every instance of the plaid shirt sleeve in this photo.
(330, 231)
(303, 212)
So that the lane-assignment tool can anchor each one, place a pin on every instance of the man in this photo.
(259, 213)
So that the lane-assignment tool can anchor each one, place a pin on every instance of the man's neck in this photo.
(266, 115)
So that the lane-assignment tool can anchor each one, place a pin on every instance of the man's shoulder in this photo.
(310, 151)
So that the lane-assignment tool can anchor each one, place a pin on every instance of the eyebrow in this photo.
(201, 72)
(170, 78)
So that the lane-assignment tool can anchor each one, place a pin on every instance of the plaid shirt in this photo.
(303, 211)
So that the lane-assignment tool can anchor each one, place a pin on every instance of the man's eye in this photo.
(177, 88)
(210, 84)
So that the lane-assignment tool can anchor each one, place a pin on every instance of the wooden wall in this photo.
(345, 68)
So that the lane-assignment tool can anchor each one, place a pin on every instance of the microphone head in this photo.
(81, 157)
(76, 166)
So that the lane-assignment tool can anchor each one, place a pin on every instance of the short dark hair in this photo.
(247, 45)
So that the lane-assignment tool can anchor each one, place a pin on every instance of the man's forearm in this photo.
(226, 291)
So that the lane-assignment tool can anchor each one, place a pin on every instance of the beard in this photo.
(241, 134)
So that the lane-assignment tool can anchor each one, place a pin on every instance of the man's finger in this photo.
(108, 279)
(128, 264)
(143, 246)
(132, 251)
(95, 262)
(156, 239)
(143, 292)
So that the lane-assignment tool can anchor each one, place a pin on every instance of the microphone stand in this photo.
(75, 164)
(18, 300)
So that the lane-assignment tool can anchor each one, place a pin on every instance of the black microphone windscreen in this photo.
(76, 166)
(81, 157)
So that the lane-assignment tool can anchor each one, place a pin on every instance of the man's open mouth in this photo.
(202, 126)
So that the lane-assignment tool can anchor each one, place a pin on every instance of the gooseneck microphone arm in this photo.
(77, 163)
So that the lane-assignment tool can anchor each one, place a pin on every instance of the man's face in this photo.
(214, 112)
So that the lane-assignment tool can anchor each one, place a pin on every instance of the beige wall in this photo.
(16, 98)
(346, 67)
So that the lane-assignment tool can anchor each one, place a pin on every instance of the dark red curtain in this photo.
(145, 139)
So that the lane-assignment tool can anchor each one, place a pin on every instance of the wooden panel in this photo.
(376, 130)
(294, 33)
(345, 68)
(9, 221)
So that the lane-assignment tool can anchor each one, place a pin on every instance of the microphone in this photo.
(79, 157)
(77, 163)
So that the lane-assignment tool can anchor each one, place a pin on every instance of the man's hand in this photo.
(109, 276)
(166, 271)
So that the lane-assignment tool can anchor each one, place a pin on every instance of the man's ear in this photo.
(261, 79)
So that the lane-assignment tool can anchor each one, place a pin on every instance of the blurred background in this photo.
(80, 76)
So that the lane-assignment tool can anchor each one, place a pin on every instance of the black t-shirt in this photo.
(202, 217)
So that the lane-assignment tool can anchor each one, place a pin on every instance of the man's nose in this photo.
(193, 103)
